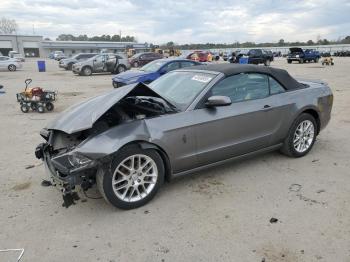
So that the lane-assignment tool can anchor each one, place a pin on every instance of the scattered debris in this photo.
(273, 220)
(302, 251)
(75, 246)
(320, 191)
(29, 166)
(21, 186)
(263, 260)
(146, 212)
(163, 249)
(315, 160)
(46, 183)
(70, 199)
(295, 187)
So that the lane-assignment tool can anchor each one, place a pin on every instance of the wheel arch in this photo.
(148, 145)
(313, 112)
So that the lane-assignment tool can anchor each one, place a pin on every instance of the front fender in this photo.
(113, 139)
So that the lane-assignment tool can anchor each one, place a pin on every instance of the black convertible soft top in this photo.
(280, 75)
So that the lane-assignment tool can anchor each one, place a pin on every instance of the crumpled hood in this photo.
(131, 74)
(83, 115)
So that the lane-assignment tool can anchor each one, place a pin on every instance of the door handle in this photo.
(267, 106)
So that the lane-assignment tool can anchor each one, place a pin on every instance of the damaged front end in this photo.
(84, 138)
(66, 167)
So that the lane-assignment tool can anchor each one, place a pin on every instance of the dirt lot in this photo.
(221, 214)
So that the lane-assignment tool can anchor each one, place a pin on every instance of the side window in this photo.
(171, 67)
(187, 64)
(275, 87)
(243, 87)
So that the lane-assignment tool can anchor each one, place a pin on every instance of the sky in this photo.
(161, 21)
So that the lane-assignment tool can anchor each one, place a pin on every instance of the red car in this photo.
(198, 56)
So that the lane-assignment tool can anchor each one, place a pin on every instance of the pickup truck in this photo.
(255, 56)
(298, 54)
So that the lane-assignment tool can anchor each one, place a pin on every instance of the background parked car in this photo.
(67, 63)
(254, 56)
(199, 56)
(298, 54)
(113, 63)
(151, 71)
(141, 59)
(11, 64)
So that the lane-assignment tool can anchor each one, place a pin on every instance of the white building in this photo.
(35, 46)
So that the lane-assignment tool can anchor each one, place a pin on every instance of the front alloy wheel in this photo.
(133, 179)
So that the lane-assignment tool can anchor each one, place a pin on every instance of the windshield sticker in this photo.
(201, 78)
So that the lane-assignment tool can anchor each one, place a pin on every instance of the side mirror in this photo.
(215, 101)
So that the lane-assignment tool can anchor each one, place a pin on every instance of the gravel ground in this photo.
(221, 214)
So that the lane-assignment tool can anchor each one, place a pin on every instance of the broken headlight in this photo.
(78, 160)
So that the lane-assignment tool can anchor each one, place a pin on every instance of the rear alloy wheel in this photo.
(134, 179)
(267, 62)
(289, 61)
(12, 68)
(87, 71)
(301, 137)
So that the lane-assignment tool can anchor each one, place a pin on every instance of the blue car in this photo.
(151, 71)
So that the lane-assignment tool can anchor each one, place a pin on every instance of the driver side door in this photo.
(244, 126)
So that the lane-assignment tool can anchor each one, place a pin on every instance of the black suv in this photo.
(254, 56)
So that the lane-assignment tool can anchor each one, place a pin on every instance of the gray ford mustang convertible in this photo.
(129, 140)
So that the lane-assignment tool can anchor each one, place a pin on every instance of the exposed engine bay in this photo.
(128, 109)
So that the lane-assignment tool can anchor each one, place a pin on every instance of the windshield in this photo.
(181, 88)
(153, 66)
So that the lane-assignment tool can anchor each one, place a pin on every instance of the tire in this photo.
(301, 61)
(121, 69)
(70, 66)
(49, 106)
(127, 188)
(24, 108)
(291, 142)
(41, 109)
(12, 68)
(115, 84)
(86, 71)
(267, 62)
(316, 60)
(289, 61)
(135, 64)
